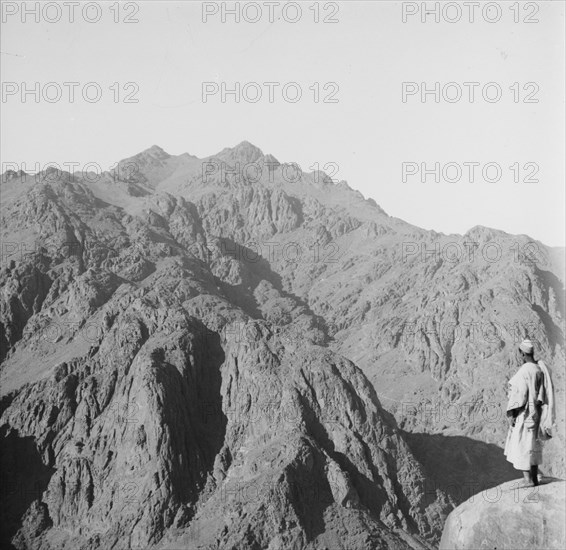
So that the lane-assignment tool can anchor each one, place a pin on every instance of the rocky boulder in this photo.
(508, 516)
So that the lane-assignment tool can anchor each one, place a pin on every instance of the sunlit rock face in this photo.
(228, 352)
(509, 516)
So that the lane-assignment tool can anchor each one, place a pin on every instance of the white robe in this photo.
(523, 447)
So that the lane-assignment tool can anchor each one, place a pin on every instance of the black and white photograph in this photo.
(282, 275)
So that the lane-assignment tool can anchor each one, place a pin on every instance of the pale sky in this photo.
(368, 134)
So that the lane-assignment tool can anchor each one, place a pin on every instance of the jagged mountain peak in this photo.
(153, 155)
(155, 151)
(163, 172)
(247, 146)
(245, 152)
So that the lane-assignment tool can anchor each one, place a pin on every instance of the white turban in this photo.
(526, 346)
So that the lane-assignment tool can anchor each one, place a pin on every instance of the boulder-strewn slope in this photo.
(178, 348)
(508, 516)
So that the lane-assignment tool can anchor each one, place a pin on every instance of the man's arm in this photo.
(511, 415)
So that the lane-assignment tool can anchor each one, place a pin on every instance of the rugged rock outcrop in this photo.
(180, 341)
(167, 425)
(508, 516)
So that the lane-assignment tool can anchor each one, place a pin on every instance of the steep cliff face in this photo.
(433, 320)
(167, 427)
(180, 348)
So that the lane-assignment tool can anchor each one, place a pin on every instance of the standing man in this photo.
(530, 389)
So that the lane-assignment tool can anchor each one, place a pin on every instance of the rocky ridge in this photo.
(180, 340)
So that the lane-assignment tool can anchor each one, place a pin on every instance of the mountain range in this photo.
(230, 353)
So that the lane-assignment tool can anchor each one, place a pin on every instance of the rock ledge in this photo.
(507, 516)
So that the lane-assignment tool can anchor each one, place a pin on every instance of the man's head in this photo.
(526, 349)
